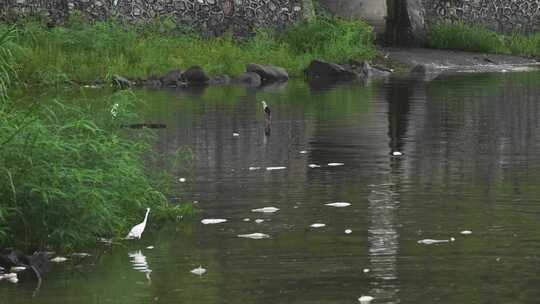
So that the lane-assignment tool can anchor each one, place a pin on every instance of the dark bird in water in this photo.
(266, 109)
(268, 116)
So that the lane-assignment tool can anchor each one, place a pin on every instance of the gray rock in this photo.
(424, 72)
(328, 70)
(153, 82)
(195, 75)
(268, 73)
(172, 78)
(120, 82)
(250, 79)
(220, 79)
(370, 71)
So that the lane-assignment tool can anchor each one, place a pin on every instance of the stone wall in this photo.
(211, 16)
(506, 16)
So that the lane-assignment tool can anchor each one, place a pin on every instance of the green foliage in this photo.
(528, 46)
(331, 38)
(6, 67)
(84, 52)
(461, 36)
(68, 177)
(475, 38)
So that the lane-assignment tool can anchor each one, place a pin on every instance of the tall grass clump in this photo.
(465, 37)
(475, 38)
(528, 46)
(67, 173)
(83, 52)
(331, 38)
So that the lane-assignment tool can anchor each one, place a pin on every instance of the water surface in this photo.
(470, 161)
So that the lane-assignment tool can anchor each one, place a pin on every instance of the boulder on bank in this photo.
(195, 75)
(220, 79)
(121, 83)
(268, 73)
(328, 70)
(250, 79)
(172, 78)
(424, 72)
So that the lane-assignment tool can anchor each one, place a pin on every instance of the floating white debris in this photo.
(59, 259)
(348, 231)
(430, 241)
(266, 210)
(366, 270)
(255, 236)
(303, 152)
(213, 221)
(90, 86)
(81, 254)
(246, 219)
(365, 299)
(335, 164)
(8, 276)
(182, 180)
(235, 134)
(13, 280)
(452, 239)
(150, 247)
(105, 241)
(338, 204)
(254, 168)
(466, 232)
(198, 271)
(318, 225)
(314, 166)
(17, 268)
(275, 168)
(397, 153)
(258, 221)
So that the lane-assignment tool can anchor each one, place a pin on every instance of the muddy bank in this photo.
(406, 59)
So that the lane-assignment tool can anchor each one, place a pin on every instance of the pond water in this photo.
(470, 161)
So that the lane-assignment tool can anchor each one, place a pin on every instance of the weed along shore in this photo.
(257, 145)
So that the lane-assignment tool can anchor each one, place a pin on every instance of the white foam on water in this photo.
(335, 164)
(365, 299)
(255, 236)
(317, 225)
(213, 221)
(198, 271)
(275, 168)
(266, 210)
(431, 241)
(338, 204)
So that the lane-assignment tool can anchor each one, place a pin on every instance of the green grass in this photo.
(475, 38)
(85, 52)
(68, 174)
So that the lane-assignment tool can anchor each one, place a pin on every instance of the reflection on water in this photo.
(138, 259)
(383, 241)
(470, 162)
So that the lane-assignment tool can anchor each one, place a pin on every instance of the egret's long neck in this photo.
(146, 216)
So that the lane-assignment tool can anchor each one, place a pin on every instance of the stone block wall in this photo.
(210, 16)
(506, 16)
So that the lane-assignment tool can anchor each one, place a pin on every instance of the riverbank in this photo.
(70, 173)
(85, 53)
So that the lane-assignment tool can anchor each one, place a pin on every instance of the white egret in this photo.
(137, 230)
